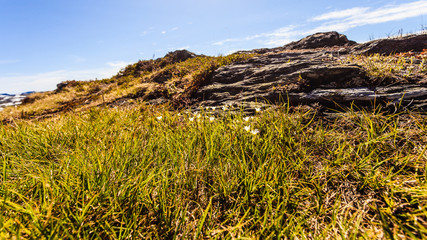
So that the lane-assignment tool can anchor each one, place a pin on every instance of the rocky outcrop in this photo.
(178, 56)
(314, 41)
(264, 77)
(415, 43)
(320, 40)
(313, 77)
(143, 66)
(312, 71)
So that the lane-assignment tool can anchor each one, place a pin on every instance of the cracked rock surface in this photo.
(312, 76)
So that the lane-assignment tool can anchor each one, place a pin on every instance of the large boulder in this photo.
(415, 43)
(311, 71)
(144, 66)
(267, 76)
(320, 40)
(177, 56)
(307, 77)
(315, 74)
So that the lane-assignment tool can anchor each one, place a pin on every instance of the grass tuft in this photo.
(394, 68)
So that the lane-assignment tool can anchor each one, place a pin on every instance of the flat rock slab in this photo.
(302, 78)
(388, 46)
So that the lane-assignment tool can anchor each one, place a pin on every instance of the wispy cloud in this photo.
(118, 64)
(186, 47)
(340, 14)
(77, 59)
(183, 47)
(273, 36)
(356, 17)
(222, 42)
(340, 20)
(9, 61)
(19, 83)
(282, 36)
(147, 31)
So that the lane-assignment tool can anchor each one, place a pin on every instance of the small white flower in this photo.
(257, 109)
(224, 108)
(213, 108)
(255, 131)
(247, 128)
(246, 119)
(212, 119)
(198, 115)
(191, 119)
(179, 114)
(159, 118)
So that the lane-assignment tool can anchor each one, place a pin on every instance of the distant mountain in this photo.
(7, 100)
(27, 93)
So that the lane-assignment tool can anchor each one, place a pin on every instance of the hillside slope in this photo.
(324, 69)
(135, 157)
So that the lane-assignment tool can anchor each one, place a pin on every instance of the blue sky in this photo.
(44, 42)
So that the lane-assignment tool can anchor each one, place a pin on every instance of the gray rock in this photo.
(320, 40)
(179, 56)
(314, 41)
(304, 72)
(416, 43)
(302, 78)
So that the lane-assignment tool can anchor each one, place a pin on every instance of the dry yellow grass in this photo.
(178, 80)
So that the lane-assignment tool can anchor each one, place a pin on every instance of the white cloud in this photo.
(178, 48)
(340, 14)
(183, 47)
(282, 36)
(356, 17)
(275, 36)
(47, 81)
(231, 51)
(118, 64)
(9, 61)
(277, 41)
(163, 32)
(220, 43)
(77, 59)
(341, 21)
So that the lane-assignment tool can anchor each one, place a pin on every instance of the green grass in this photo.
(143, 80)
(394, 68)
(176, 82)
(161, 174)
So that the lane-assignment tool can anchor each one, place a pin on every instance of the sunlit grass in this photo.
(178, 82)
(155, 173)
(400, 67)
